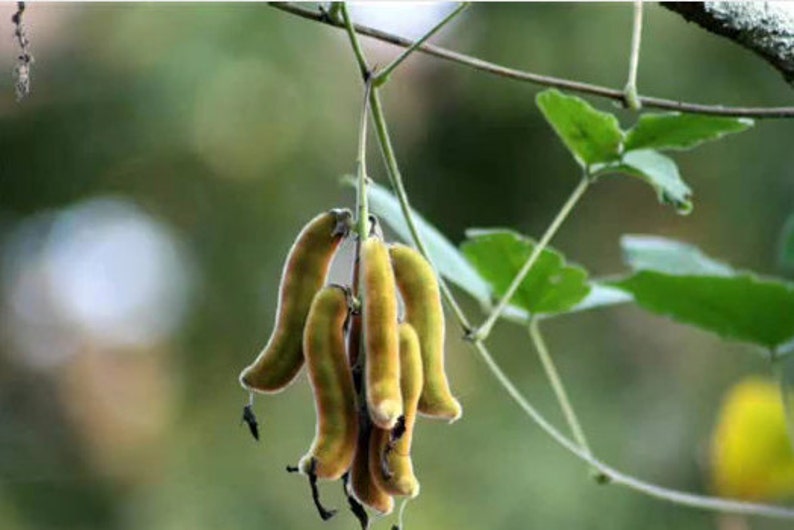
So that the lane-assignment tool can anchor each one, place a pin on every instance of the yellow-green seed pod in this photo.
(304, 274)
(390, 462)
(421, 296)
(336, 435)
(381, 342)
(362, 484)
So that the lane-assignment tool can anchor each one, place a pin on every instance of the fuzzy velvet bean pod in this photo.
(336, 434)
(421, 296)
(304, 274)
(381, 341)
(390, 461)
(362, 485)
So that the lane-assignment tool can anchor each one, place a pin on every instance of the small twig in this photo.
(384, 74)
(630, 91)
(543, 80)
(25, 58)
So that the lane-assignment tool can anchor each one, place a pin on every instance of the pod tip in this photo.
(386, 413)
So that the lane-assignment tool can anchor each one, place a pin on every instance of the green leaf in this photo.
(669, 256)
(741, 307)
(678, 280)
(786, 249)
(551, 286)
(680, 131)
(660, 172)
(445, 257)
(600, 295)
(592, 136)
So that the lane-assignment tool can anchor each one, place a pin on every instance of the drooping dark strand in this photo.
(325, 514)
(250, 418)
(355, 507)
(398, 430)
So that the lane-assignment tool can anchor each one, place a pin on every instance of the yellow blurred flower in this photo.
(751, 455)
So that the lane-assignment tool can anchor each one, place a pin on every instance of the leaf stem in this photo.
(621, 479)
(785, 395)
(395, 179)
(383, 75)
(352, 35)
(557, 385)
(362, 207)
(630, 91)
(539, 79)
(485, 328)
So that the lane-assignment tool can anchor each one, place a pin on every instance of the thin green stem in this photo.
(630, 91)
(539, 79)
(401, 516)
(621, 479)
(785, 396)
(353, 36)
(384, 74)
(395, 179)
(362, 208)
(485, 328)
(557, 385)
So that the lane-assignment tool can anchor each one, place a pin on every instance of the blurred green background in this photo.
(153, 181)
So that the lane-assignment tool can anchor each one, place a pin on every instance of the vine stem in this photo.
(538, 79)
(384, 74)
(357, 50)
(621, 479)
(557, 385)
(785, 397)
(613, 475)
(395, 179)
(630, 91)
(361, 169)
(485, 328)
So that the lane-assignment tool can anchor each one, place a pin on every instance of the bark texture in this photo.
(767, 28)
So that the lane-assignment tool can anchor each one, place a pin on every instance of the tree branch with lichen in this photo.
(538, 79)
(763, 27)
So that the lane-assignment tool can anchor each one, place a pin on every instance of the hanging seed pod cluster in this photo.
(371, 370)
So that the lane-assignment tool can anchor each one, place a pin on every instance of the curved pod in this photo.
(390, 463)
(381, 342)
(304, 274)
(335, 438)
(362, 485)
(419, 289)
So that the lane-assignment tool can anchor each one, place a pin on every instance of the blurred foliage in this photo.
(231, 125)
